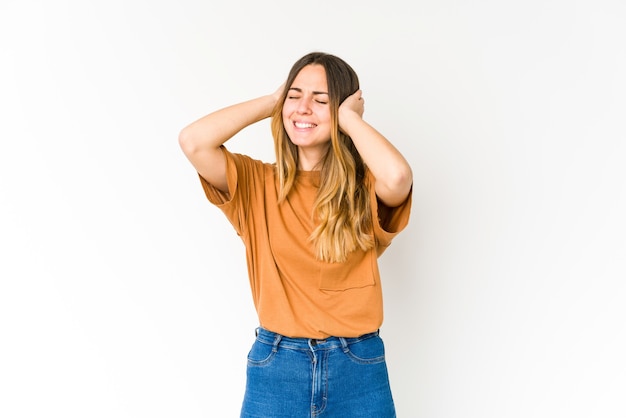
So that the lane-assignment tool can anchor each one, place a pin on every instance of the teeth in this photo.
(304, 125)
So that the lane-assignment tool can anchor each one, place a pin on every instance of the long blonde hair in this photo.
(341, 209)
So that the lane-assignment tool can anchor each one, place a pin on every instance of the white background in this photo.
(124, 293)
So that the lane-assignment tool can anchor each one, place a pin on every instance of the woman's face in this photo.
(306, 111)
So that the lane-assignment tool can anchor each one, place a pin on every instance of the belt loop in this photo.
(344, 344)
(277, 339)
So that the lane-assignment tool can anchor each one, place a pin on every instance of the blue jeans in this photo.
(301, 377)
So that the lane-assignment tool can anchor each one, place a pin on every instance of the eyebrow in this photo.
(299, 90)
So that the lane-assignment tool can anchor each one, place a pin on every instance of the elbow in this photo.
(396, 185)
(186, 142)
(401, 178)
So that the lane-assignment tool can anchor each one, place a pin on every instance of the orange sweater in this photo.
(295, 294)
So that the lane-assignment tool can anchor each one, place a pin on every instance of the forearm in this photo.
(391, 170)
(214, 129)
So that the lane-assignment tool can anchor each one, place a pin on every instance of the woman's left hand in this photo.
(353, 104)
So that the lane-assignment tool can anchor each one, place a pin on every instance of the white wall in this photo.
(123, 292)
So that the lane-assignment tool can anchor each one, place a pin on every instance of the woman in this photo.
(313, 225)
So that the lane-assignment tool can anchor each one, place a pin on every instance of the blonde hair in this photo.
(341, 209)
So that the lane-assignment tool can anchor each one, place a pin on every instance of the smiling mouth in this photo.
(302, 125)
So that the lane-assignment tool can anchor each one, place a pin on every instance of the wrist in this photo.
(268, 103)
(348, 119)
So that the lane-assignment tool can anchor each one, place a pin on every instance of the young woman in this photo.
(313, 225)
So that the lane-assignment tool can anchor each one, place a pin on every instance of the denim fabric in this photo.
(300, 377)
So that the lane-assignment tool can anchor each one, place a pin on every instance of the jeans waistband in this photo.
(279, 340)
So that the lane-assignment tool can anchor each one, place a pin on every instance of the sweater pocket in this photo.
(360, 270)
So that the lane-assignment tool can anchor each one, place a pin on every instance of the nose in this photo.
(304, 105)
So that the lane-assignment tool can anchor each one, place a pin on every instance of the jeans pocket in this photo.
(368, 351)
(260, 354)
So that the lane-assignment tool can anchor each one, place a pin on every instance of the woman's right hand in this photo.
(278, 94)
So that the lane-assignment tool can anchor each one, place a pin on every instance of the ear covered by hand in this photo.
(352, 107)
(354, 103)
